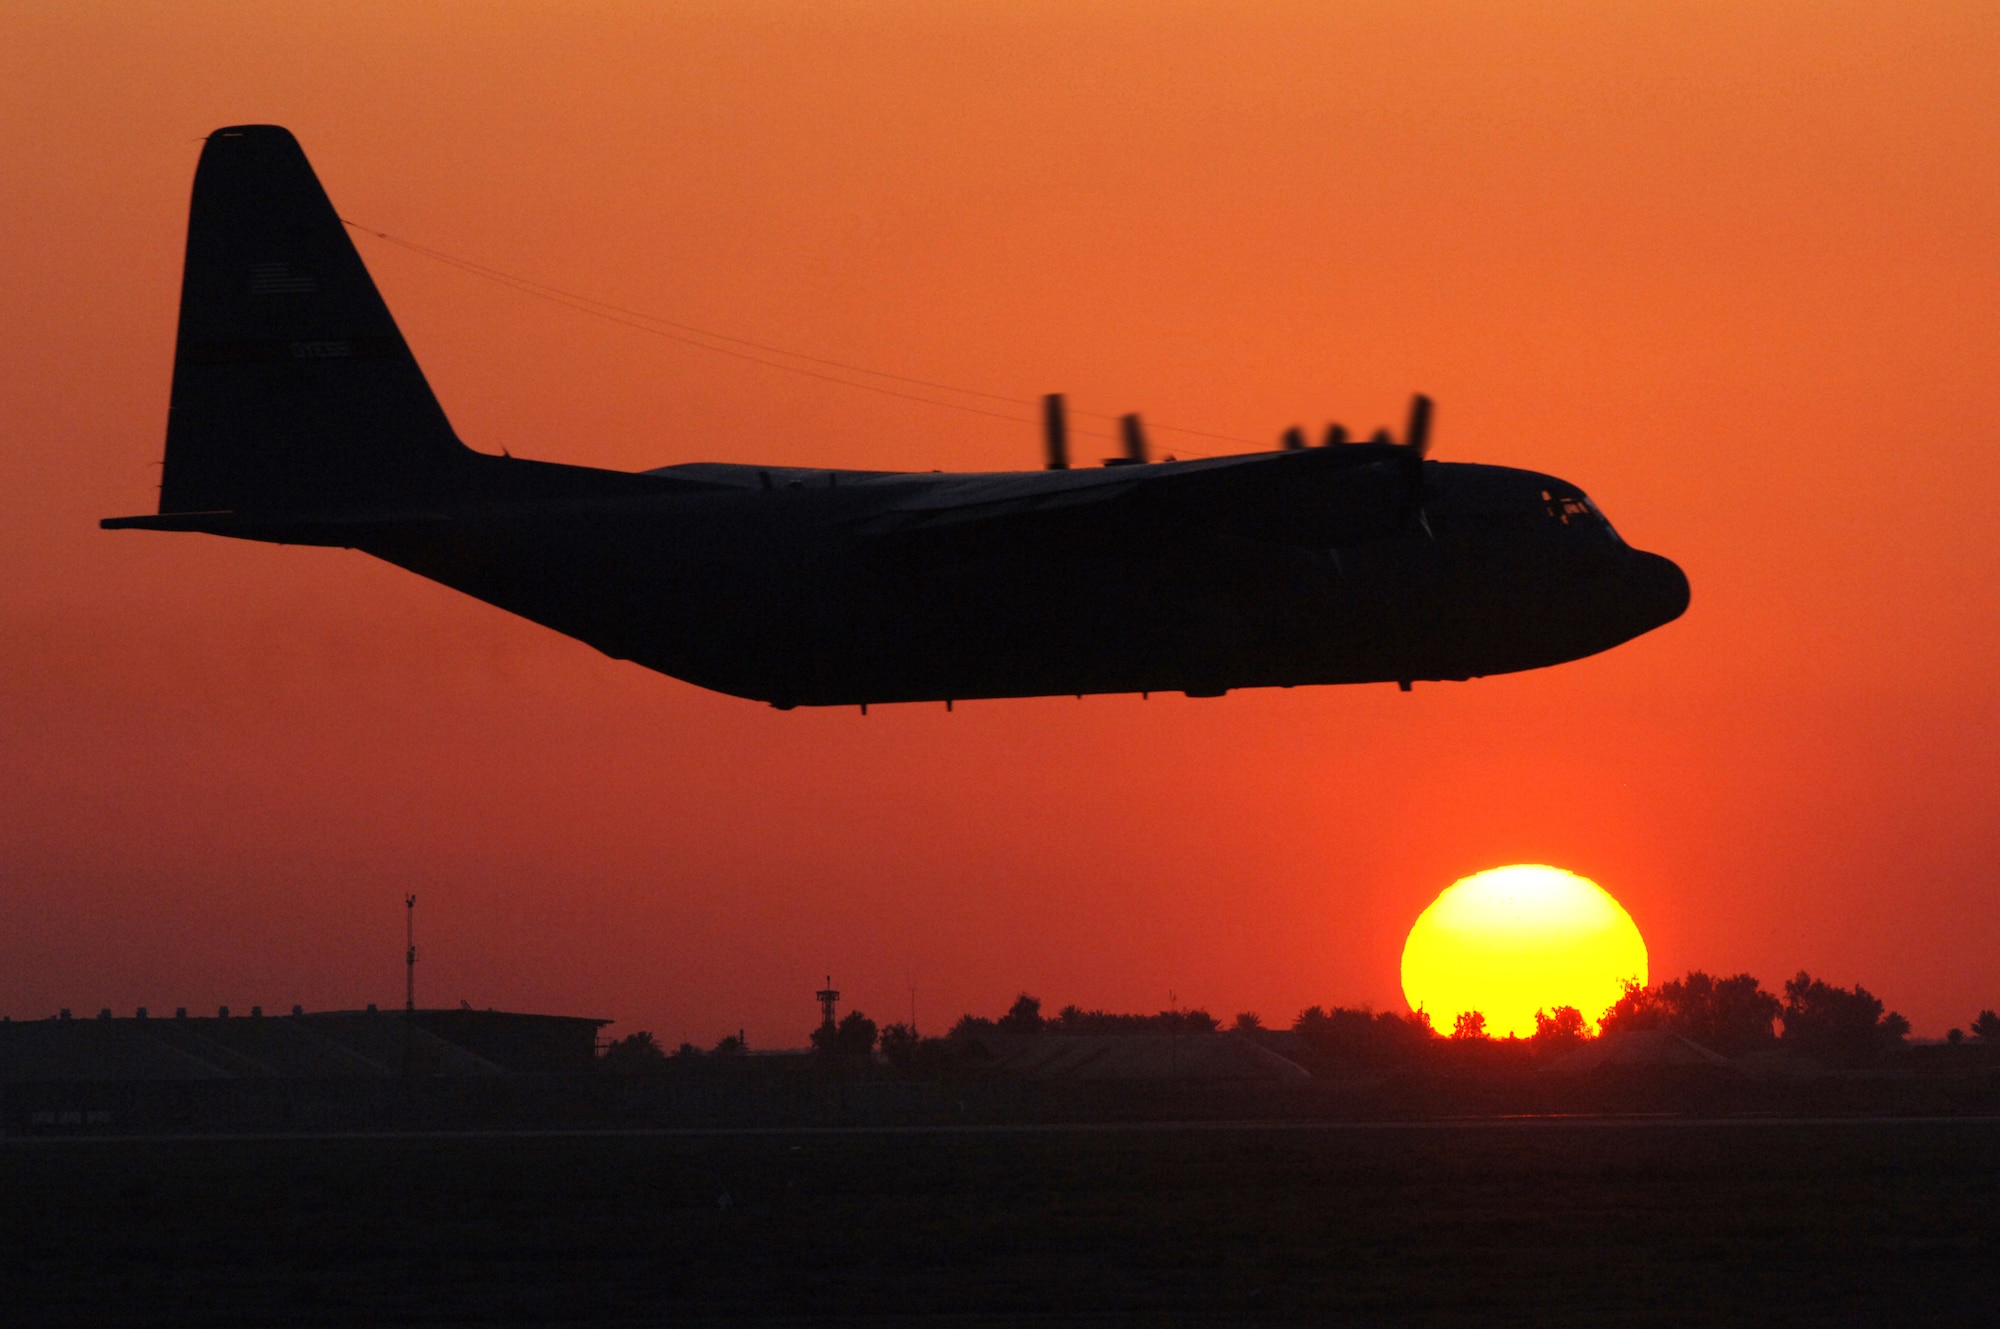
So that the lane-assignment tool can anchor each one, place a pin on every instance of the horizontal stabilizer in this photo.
(344, 530)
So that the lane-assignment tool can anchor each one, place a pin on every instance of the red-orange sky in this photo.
(1734, 269)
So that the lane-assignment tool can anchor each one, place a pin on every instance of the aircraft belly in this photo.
(767, 599)
(1024, 620)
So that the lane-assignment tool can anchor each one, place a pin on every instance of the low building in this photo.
(321, 1045)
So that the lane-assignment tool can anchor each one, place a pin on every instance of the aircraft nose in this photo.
(1661, 588)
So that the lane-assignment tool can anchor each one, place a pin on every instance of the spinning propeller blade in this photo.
(1416, 442)
(1417, 437)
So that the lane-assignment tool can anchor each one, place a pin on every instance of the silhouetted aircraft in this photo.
(299, 416)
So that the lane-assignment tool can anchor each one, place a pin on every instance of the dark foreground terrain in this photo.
(1585, 1222)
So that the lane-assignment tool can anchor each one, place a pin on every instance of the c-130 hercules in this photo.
(299, 416)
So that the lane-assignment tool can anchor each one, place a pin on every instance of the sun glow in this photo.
(1510, 941)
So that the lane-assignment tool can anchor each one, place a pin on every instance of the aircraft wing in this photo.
(1315, 497)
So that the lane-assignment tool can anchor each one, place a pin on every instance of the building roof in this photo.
(1638, 1047)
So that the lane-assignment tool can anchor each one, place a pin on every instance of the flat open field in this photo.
(1584, 1222)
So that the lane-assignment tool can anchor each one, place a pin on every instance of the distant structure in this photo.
(410, 954)
(409, 981)
(827, 997)
(321, 1045)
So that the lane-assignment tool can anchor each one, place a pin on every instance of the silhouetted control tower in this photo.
(827, 997)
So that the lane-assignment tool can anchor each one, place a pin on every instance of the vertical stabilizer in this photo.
(293, 391)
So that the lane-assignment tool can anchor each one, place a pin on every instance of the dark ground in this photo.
(1571, 1222)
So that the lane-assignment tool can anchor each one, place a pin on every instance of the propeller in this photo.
(1407, 457)
(1133, 431)
(1416, 442)
(1135, 438)
(1417, 436)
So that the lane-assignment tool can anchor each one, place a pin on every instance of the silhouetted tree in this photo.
(899, 1045)
(1075, 1020)
(1987, 1027)
(970, 1027)
(1638, 1007)
(1249, 1020)
(1729, 1015)
(731, 1045)
(1364, 1037)
(634, 1054)
(1023, 1017)
(1559, 1030)
(855, 1035)
(1838, 1024)
(1469, 1025)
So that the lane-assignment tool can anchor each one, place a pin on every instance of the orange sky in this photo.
(1734, 269)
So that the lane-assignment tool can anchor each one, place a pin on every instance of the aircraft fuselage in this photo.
(827, 587)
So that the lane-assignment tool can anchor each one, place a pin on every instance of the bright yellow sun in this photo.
(1510, 941)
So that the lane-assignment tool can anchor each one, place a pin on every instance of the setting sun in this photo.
(1510, 941)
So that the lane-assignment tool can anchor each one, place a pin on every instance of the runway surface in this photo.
(1599, 1221)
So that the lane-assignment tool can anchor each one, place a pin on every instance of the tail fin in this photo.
(293, 391)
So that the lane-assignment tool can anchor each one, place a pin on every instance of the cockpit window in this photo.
(1570, 508)
(1576, 510)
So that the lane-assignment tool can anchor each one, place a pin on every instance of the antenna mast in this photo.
(410, 955)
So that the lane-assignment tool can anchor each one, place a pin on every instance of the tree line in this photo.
(1733, 1016)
